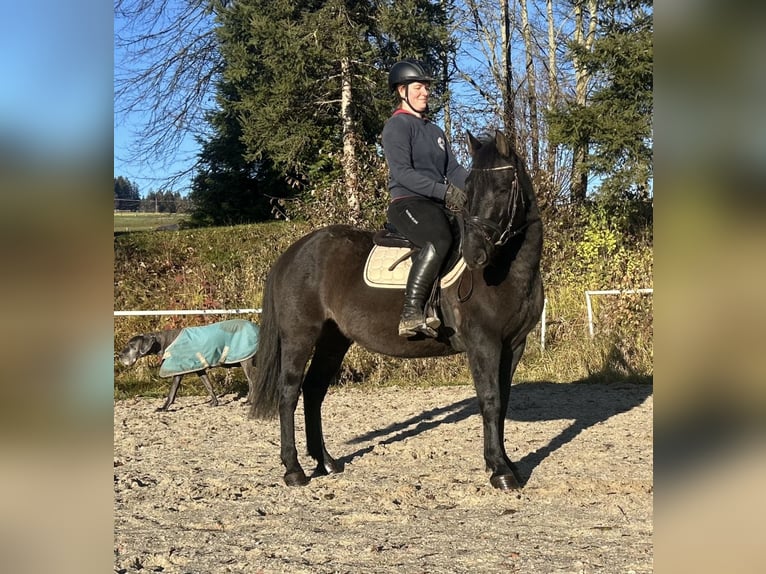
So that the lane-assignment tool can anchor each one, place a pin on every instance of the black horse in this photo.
(316, 300)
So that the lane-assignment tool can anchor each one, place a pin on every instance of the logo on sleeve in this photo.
(440, 141)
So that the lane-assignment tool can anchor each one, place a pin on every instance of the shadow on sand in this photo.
(585, 402)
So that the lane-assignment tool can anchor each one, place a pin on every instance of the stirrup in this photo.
(433, 322)
(422, 327)
(427, 331)
(408, 329)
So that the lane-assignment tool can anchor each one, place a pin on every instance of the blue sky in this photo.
(148, 176)
(56, 92)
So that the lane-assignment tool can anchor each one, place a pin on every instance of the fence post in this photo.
(607, 292)
(590, 313)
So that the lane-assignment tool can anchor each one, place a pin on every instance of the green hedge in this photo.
(225, 267)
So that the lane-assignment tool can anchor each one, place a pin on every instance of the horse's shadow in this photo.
(585, 402)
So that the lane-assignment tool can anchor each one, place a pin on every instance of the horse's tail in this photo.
(264, 402)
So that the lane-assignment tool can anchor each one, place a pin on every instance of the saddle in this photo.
(390, 260)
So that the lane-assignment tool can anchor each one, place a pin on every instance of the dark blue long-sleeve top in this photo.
(420, 161)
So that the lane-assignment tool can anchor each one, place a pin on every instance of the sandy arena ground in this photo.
(199, 489)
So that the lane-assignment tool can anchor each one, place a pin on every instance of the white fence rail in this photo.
(185, 312)
(257, 311)
(588, 305)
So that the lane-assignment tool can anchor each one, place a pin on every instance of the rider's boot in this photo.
(423, 274)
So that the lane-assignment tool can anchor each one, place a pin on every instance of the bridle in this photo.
(492, 233)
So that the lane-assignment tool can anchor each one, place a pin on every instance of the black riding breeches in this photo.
(422, 220)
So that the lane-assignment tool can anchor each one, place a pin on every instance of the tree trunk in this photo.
(534, 127)
(553, 85)
(444, 57)
(580, 152)
(509, 116)
(350, 162)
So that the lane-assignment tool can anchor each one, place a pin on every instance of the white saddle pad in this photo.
(377, 272)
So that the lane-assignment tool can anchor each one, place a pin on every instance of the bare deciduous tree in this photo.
(553, 84)
(165, 67)
(534, 127)
(506, 71)
(583, 38)
(350, 161)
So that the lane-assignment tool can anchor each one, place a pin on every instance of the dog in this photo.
(194, 350)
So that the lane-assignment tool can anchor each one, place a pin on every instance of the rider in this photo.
(425, 180)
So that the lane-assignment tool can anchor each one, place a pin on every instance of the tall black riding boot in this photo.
(424, 271)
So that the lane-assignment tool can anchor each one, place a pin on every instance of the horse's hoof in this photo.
(297, 478)
(331, 466)
(504, 482)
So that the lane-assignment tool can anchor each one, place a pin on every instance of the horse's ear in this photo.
(473, 143)
(502, 144)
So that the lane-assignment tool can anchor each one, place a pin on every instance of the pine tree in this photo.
(622, 144)
(126, 194)
(228, 188)
(616, 123)
(309, 80)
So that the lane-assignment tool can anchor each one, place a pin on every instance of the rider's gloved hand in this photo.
(455, 199)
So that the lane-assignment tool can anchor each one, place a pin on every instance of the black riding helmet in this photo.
(406, 72)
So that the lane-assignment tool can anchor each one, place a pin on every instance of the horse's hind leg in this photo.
(328, 356)
(294, 359)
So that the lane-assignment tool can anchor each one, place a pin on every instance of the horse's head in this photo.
(498, 198)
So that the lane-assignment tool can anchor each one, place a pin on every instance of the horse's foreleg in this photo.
(489, 369)
(508, 363)
(328, 357)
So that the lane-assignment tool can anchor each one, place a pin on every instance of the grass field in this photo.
(144, 221)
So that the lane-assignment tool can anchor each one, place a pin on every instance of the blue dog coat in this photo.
(198, 348)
